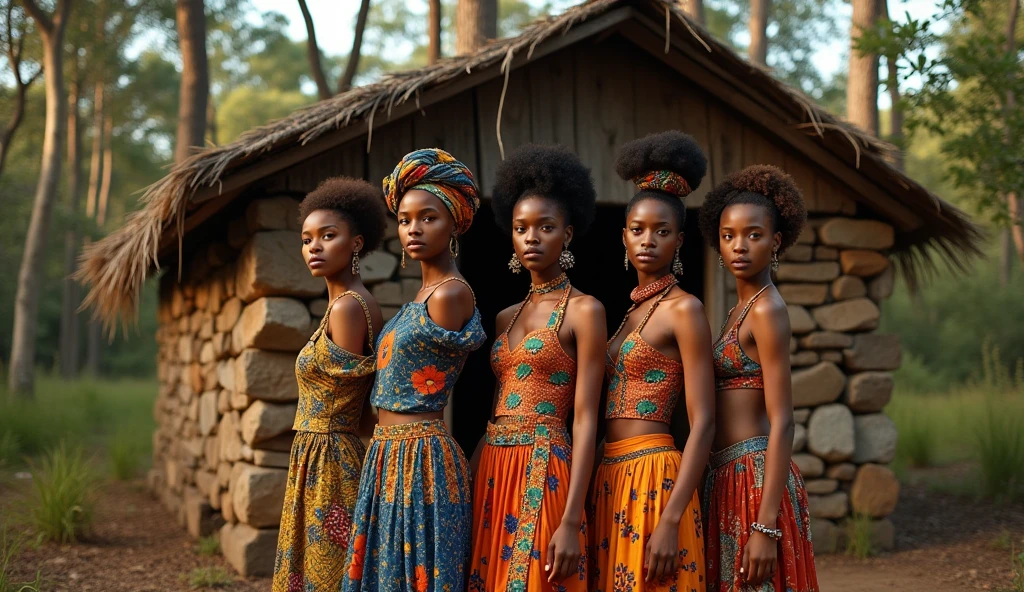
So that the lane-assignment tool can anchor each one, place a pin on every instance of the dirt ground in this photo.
(944, 543)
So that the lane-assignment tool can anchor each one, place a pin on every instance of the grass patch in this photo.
(208, 546)
(1017, 569)
(11, 543)
(10, 451)
(61, 507)
(124, 454)
(859, 541)
(209, 577)
(1000, 442)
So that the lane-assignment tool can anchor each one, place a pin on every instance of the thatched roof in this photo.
(117, 265)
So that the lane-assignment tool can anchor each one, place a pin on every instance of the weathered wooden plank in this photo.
(515, 122)
(552, 102)
(348, 160)
(390, 143)
(804, 176)
(830, 197)
(759, 150)
(448, 125)
(604, 106)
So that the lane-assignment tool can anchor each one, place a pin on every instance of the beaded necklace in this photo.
(639, 294)
(555, 284)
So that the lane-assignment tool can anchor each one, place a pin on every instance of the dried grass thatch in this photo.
(117, 266)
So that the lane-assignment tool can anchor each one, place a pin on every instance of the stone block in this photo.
(858, 314)
(228, 315)
(849, 233)
(241, 401)
(799, 437)
(208, 416)
(868, 392)
(377, 266)
(257, 494)
(883, 535)
(821, 271)
(251, 551)
(801, 415)
(824, 536)
(270, 264)
(803, 294)
(862, 262)
(842, 471)
(273, 323)
(227, 510)
(873, 351)
(875, 491)
(809, 465)
(803, 358)
(881, 287)
(826, 340)
(281, 443)
(269, 376)
(318, 307)
(826, 253)
(262, 421)
(270, 458)
(272, 213)
(834, 505)
(847, 287)
(821, 486)
(817, 385)
(388, 293)
(876, 439)
(800, 320)
(830, 433)
(411, 269)
(223, 401)
(836, 357)
(798, 253)
(198, 513)
(807, 236)
(230, 438)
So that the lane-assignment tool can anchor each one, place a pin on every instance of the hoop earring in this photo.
(721, 262)
(566, 260)
(625, 260)
(355, 263)
(403, 258)
(775, 261)
(677, 265)
(453, 247)
(514, 265)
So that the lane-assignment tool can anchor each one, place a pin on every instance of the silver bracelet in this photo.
(774, 533)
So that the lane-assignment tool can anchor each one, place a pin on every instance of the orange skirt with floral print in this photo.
(631, 488)
(519, 495)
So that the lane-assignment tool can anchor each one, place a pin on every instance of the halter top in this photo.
(734, 369)
(333, 382)
(418, 361)
(537, 377)
(643, 382)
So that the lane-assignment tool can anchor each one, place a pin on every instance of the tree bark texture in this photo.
(476, 21)
(313, 54)
(96, 156)
(108, 169)
(26, 300)
(195, 78)
(757, 27)
(862, 85)
(69, 304)
(434, 32)
(1012, 198)
(352, 64)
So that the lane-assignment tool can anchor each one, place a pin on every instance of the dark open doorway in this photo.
(599, 272)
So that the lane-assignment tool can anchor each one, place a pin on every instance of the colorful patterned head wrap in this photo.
(436, 171)
(666, 181)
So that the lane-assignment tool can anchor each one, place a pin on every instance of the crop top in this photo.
(734, 369)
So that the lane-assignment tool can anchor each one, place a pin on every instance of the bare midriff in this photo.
(740, 414)
(620, 429)
(386, 418)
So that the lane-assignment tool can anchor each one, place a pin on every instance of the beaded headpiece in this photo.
(663, 180)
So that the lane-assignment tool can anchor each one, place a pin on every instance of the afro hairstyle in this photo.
(670, 150)
(551, 172)
(762, 185)
(356, 201)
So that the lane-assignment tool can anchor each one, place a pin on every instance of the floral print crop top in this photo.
(734, 369)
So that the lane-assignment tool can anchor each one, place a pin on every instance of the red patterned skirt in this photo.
(732, 497)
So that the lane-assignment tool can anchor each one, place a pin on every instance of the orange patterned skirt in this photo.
(519, 496)
(732, 497)
(631, 488)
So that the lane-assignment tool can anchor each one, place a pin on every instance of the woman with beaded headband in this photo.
(755, 504)
(530, 482)
(340, 219)
(412, 525)
(646, 531)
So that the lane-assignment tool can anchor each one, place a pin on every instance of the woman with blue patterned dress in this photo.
(341, 219)
(413, 514)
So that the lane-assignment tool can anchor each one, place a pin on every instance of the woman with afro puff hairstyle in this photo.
(755, 505)
(341, 219)
(531, 478)
(645, 487)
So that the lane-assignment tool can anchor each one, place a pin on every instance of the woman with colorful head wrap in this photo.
(645, 525)
(413, 512)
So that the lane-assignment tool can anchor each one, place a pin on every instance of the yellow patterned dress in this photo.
(326, 460)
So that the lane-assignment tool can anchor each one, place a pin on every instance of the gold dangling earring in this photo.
(514, 264)
(677, 265)
(625, 260)
(775, 261)
(453, 247)
(403, 258)
(566, 260)
(721, 262)
(355, 263)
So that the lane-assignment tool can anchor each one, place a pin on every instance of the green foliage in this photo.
(125, 456)
(917, 429)
(1017, 569)
(859, 541)
(10, 449)
(208, 546)
(62, 504)
(209, 577)
(11, 543)
(246, 107)
(999, 438)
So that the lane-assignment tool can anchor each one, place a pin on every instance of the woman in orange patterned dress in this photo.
(646, 531)
(755, 504)
(341, 219)
(531, 483)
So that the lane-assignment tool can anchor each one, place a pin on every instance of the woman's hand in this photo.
(760, 558)
(661, 557)
(564, 552)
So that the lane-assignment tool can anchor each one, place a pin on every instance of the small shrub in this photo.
(1017, 559)
(916, 445)
(10, 449)
(858, 536)
(999, 436)
(11, 542)
(208, 546)
(124, 456)
(209, 577)
(62, 507)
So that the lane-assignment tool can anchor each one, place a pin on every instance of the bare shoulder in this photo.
(346, 320)
(454, 294)
(770, 311)
(587, 306)
(504, 317)
(687, 305)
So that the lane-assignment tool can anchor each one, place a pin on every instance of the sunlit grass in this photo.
(209, 577)
(859, 542)
(208, 546)
(11, 543)
(62, 502)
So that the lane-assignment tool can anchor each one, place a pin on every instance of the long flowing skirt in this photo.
(316, 523)
(519, 497)
(412, 518)
(732, 498)
(631, 489)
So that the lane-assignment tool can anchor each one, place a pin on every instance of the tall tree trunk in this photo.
(195, 78)
(434, 32)
(862, 86)
(69, 305)
(108, 169)
(694, 9)
(758, 29)
(93, 344)
(1006, 248)
(1012, 199)
(96, 157)
(352, 64)
(476, 21)
(313, 54)
(26, 300)
(892, 84)
(14, 50)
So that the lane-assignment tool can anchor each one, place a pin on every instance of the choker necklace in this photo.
(555, 284)
(639, 294)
